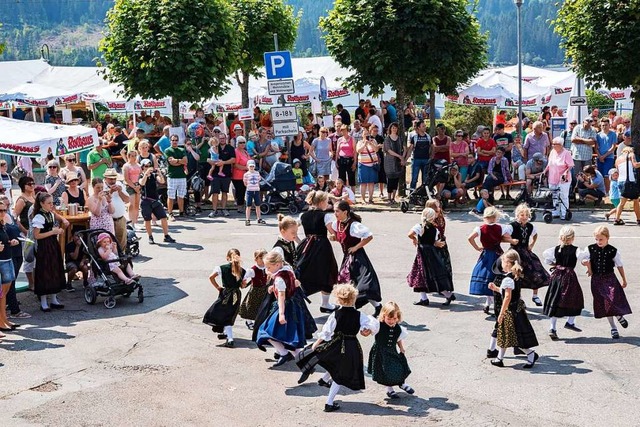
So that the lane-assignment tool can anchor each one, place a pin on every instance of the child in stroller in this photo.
(280, 188)
(438, 173)
(108, 251)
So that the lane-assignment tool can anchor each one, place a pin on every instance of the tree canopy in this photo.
(600, 37)
(185, 49)
(256, 21)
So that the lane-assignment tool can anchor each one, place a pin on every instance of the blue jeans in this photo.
(417, 166)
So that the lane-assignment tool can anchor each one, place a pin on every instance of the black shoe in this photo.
(169, 239)
(198, 209)
(518, 351)
(283, 359)
(423, 302)
(331, 408)
(377, 311)
(305, 375)
(15, 326)
(151, 241)
(492, 354)
(453, 297)
(228, 344)
(530, 365)
(56, 306)
(327, 310)
(572, 327)
(392, 395)
(498, 363)
(614, 334)
(407, 389)
(486, 309)
(448, 301)
(623, 322)
(69, 288)
(323, 383)
(222, 336)
(46, 310)
(553, 335)
(249, 325)
(276, 356)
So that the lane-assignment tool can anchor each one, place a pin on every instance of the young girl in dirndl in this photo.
(284, 327)
(387, 365)
(564, 296)
(609, 299)
(337, 349)
(222, 314)
(356, 266)
(513, 326)
(257, 292)
(430, 272)
(491, 234)
(524, 232)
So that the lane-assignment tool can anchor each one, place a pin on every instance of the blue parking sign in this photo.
(278, 65)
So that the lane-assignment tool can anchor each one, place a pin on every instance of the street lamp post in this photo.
(519, 36)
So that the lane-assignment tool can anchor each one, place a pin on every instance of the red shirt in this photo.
(486, 145)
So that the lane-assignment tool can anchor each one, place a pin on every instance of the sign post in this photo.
(285, 121)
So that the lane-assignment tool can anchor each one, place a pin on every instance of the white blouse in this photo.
(617, 260)
(279, 282)
(356, 230)
(38, 221)
(549, 255)
(509, 228)
(508, 283)
(366, 322)
(418, 229)
(248, 274)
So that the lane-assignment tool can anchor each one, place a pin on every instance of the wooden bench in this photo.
(506, 184)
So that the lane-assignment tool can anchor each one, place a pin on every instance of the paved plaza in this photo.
(157, 364)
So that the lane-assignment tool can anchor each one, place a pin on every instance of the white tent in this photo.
(24, 138)
(13, 73)
(501, 90)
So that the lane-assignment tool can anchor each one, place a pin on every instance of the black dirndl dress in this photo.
(609, 298)
(564, 296)
(316, 266)
(224, 310)
(386, 365)
(535, 276)
(515, 330)
(48, 277)
(429, 272)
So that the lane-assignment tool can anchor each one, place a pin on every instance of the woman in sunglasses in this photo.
(53, 182)
(71, 168)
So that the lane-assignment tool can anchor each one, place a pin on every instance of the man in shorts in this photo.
(222, 181)
(176, 176)
(150, 203)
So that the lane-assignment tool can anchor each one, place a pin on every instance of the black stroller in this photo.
(438, 173)
(133, 242)
(280, 188)
(107, 284)
(542, 199)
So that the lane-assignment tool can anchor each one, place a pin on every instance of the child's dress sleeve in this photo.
(549, 256)
(618, 260)
(369, 322)
(584, 255)
(508, 283)
(249, 274)
(360, 231)
(327, 330)
(417, 229)
(280, 284)
(403, 333)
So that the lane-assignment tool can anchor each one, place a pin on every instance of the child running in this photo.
(491, 234)
(386, 365)
(440, 223)
(222, 314)
(429, 272)
(609, 299)
(257, 292)
(108, 251)
(251, 180)
(564, 297)
(337, 349)
(513, 327)
(525, 234)
(282, 328)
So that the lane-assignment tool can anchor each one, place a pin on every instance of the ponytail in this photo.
(514, 258)
(516, 270)
(286, 222)
(233, 256)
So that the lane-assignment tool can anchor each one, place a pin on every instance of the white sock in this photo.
(389, 389)
(423, 296)
(228, 331)
(571, 320)
(296, 351)
(493, 343)
(530, 354)
(333, 392)
(554, 323)
(501, 353)
(374, 303)
(326, 303)
(489, 301)
(54, 299)
(611, 322)
(447, 294)
(279, 347)
(43, 301)
(326, 377)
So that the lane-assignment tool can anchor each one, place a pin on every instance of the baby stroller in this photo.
(107, 284)
(543, 199)
(133, 245)
(438, 173)
(280, 188)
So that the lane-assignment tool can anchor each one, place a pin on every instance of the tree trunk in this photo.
(432, 113)
(401, 103)
(175, 111)
(244, 88)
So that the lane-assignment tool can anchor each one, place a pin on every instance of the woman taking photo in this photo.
(393, 161)
(99, 205)
(356, 268)
(316, 265)
(49, 270)
(627, 183)
(345, 153)
(367, 166)
(131, 172)
(53, 182)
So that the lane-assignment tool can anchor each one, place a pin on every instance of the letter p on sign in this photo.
(278, 65)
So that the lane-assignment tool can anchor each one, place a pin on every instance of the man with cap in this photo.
(626, 142)
(534, 170)
(236, 131)
(176, 177)
(583, 139)
(118, 199)
(150, 200)
(221, 181)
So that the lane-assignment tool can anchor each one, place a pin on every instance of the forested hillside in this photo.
(72, 29)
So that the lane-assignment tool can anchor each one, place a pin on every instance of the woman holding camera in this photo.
(368, 165)
(99, 205)
(626, 165)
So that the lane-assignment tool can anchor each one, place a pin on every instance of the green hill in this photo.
(72, 30)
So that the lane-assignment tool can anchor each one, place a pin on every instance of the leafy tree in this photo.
(600, 36)
(256, 21)
(185, 49)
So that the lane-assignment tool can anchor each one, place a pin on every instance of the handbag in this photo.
(30, 248)
(376, 165)
(630, 189)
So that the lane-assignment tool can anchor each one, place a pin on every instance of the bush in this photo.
(466, 117)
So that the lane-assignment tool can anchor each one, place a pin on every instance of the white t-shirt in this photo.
(119, 208)
(375, 120)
